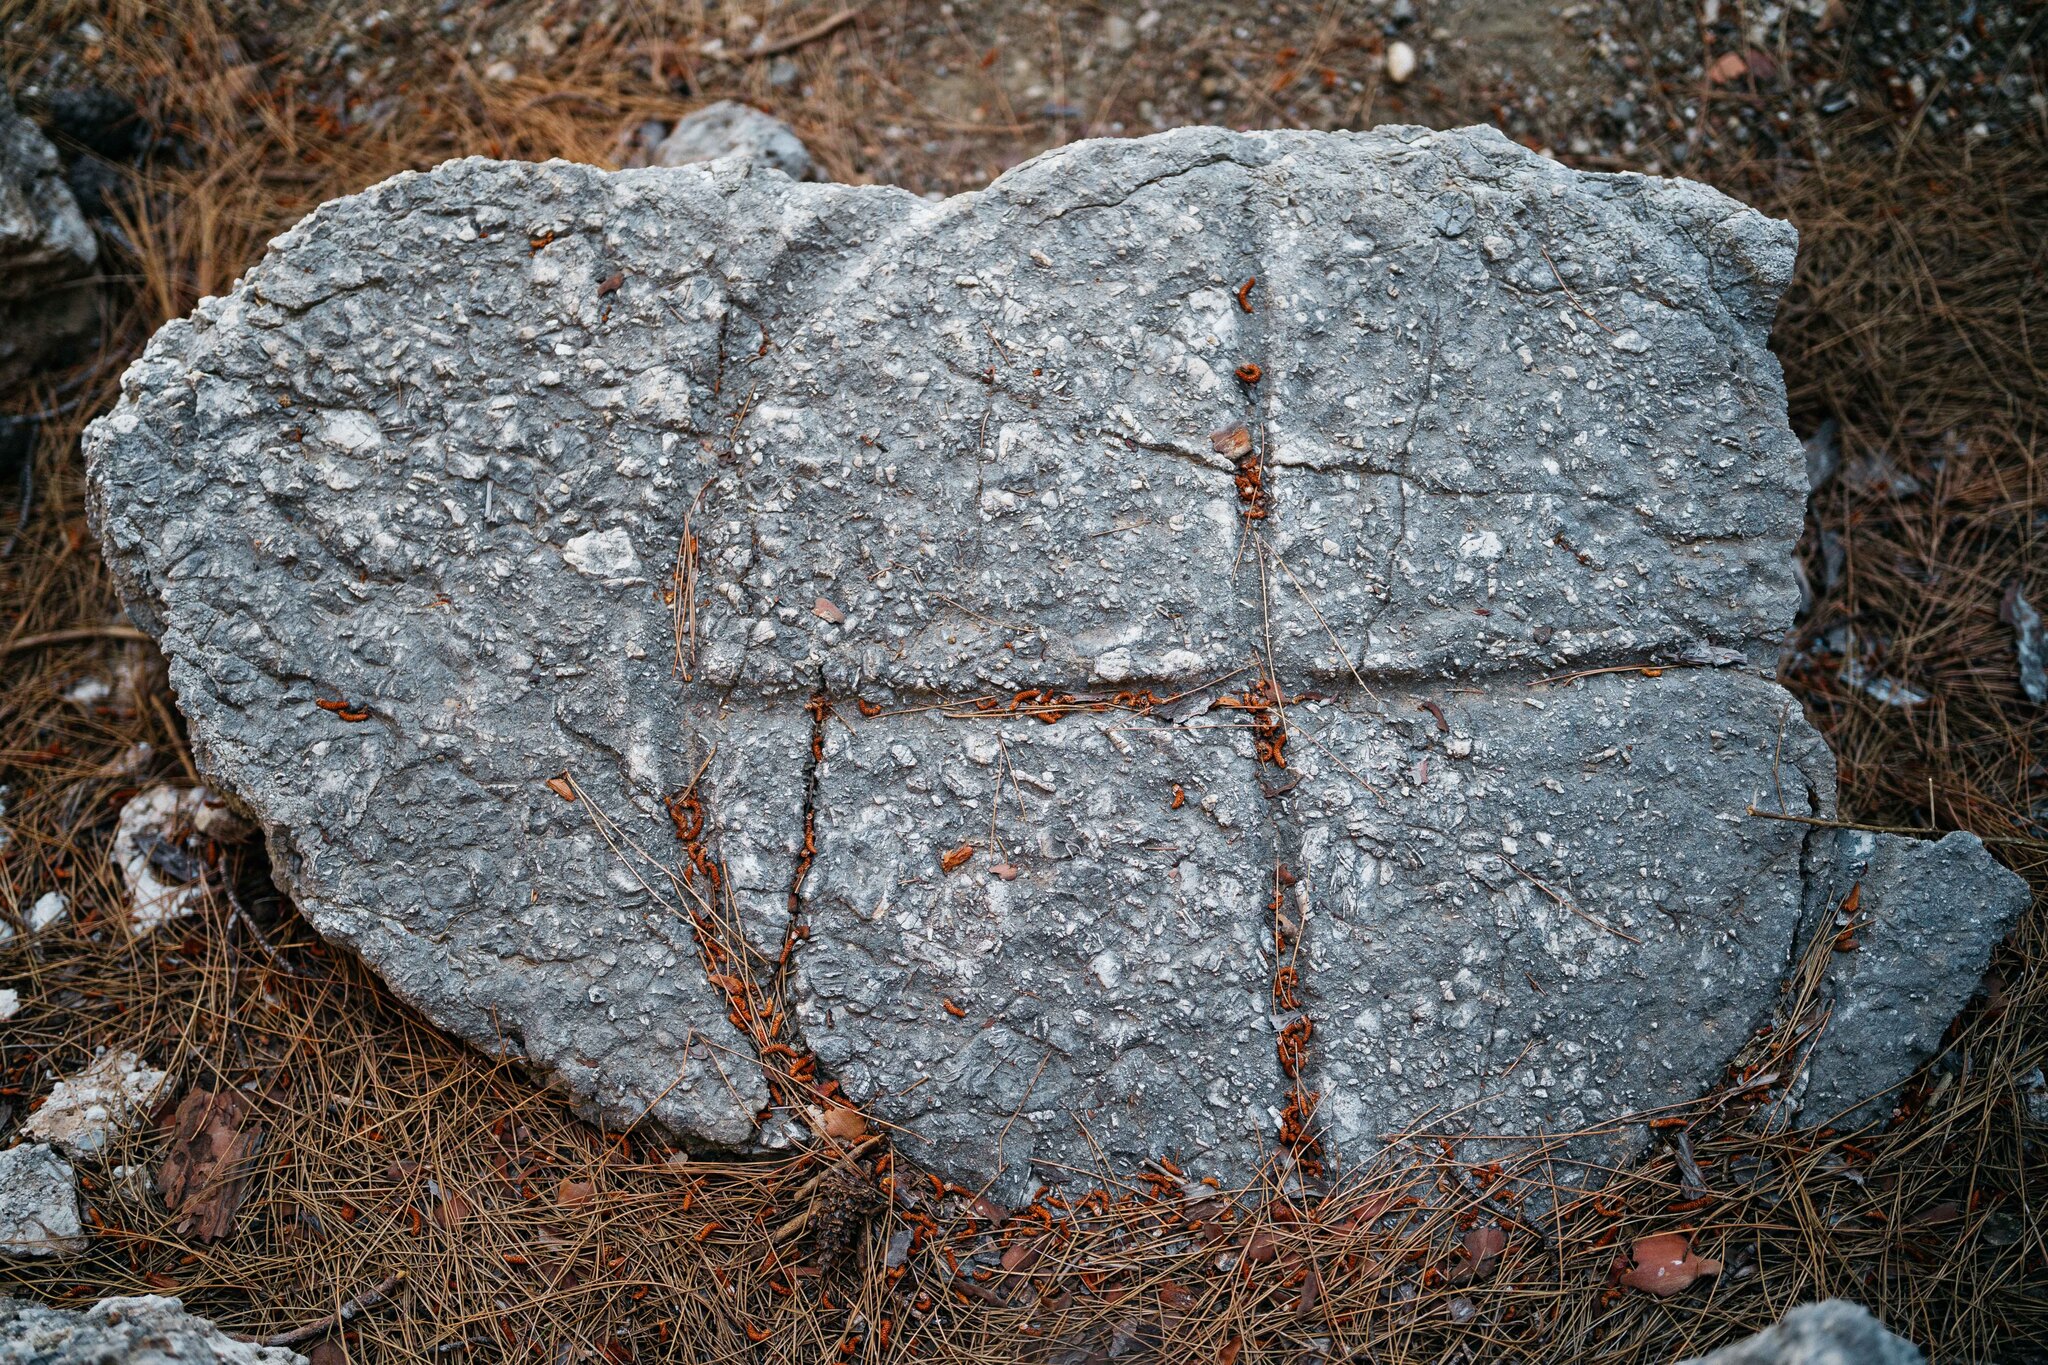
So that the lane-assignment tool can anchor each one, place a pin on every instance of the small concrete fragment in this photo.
(1831, 1332)
(2029, 642)
(88, 1110)
(39, 1213)
(145, 1330)
(729, 128)
(49, 908)
(46, 307)
(159, 845)
(1927, 915)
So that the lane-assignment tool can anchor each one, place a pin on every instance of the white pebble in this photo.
(1400, 62)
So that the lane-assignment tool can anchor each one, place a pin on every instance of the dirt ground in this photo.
(351, 1180)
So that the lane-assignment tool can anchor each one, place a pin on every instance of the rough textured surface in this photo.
(410, 511)
(1552, 912)
(1115, 979)
(1832, 1332)
(38, 1203)
(45, 245)
(145, 1330)
(726, 128)
(85, 1111)
(1926, 917)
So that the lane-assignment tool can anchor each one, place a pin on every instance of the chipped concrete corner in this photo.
(1218, 643)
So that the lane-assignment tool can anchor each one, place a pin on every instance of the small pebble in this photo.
(1400, 62)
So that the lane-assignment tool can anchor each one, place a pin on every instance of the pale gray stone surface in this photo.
(728, 128)
(1831, 1332)
(1449, 983)
(38, 1203)
(436, 458)
(45, 247)
(1927, 916)
(1114, 978)
(147, 1329)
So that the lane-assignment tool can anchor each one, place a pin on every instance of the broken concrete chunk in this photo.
(49, 908)
(1197, 515)
(86, 1111)
(1832, 1332)
(160, 846)
(729, 128)
(38, 1203)
(1913, 951)
(144, 1330)
(47, 304)
(2029, 642)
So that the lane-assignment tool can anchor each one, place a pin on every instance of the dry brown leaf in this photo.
(574, 1194)
(451, 1212)
(205, 1175)
(1483, 1247)
(1934, 1215)
(1233, 442)
(1369, 1211)
(1022, 1256)
(1664, 1264)
(953, 859)
(1729, 66)
(562, 787)
(1311, 1292)
(1260, 1248)
(844, 1123)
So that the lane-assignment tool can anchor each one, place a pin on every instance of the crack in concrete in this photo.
(1132, 193)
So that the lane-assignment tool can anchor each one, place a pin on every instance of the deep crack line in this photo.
(756, 991)
(794, 929)
(1265, 701)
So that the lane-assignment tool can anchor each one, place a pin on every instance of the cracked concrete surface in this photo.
(544, 471)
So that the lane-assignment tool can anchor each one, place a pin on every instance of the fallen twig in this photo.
(73, 636)
(1921, 831)
(1573, 297)
(803, 36)
(341, 1316)
(1566, 903)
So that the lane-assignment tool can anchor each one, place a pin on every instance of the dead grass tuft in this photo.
(387, 1194)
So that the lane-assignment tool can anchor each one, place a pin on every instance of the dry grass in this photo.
(520, 1233)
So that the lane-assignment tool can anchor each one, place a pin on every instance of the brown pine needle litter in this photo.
(379, 1193)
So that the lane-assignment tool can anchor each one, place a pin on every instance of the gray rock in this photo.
(931, 476)
(38, 1203)
(729, 128)
(1831, 1332)
(1927, 916)
(45, 250)
(145, 1330)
